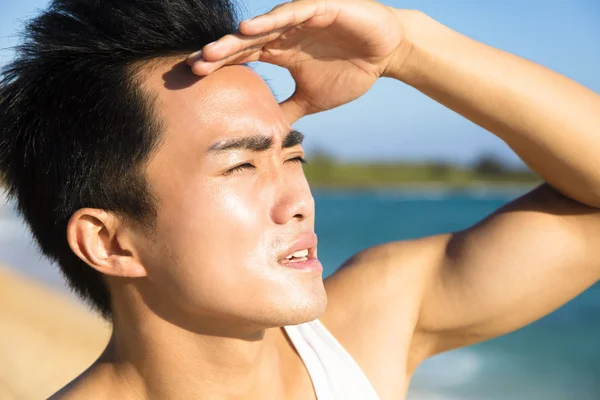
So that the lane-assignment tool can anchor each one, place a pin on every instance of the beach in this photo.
(46, 338)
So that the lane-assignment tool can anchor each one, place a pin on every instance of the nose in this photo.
(293, 200)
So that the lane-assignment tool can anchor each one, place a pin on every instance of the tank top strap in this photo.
(334, 373)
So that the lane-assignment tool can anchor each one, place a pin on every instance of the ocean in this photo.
(555, 358)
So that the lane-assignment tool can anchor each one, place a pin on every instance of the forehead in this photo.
(233, 101)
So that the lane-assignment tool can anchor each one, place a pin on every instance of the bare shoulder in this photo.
(373, 304)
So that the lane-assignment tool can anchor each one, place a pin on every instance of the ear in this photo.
(104, 242)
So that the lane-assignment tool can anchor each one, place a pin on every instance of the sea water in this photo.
(555, 358)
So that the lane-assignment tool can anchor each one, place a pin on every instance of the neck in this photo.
(160, 359)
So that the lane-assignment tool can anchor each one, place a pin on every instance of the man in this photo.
(189, 222)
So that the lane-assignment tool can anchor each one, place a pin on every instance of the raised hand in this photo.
(334, 49)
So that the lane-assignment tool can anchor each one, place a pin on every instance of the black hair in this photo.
(76, 129)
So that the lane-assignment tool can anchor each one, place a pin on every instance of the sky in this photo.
(396, 122)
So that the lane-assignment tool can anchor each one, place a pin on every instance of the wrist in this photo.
(404, 63)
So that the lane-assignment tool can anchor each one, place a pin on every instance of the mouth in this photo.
(302, 254)
(299, 256)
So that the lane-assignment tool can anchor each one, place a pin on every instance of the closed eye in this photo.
(244, 166)
(298, 160)
(239, 168)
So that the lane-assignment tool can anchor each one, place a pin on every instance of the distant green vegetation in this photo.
(324, 171)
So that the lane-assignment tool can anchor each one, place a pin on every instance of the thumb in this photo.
(294, 108)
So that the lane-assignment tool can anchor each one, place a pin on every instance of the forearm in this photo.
(552, 122)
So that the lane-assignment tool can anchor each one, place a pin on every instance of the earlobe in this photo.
(102, 241)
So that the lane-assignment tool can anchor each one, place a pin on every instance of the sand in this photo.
(46, 338)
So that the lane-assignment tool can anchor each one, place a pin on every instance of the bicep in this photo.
(514, 267)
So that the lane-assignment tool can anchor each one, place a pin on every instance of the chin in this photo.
(296, 309)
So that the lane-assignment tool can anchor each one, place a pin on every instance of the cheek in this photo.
(213, 218)
(239, 208)
(214, 231)
(212, 243)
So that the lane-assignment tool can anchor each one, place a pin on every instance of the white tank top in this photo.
(334, 373)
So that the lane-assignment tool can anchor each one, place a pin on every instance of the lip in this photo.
(311, 264)
(307, 240)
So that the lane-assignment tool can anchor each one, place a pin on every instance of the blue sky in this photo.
(394, 121)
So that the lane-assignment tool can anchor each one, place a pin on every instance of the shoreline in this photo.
(428, 186)
(46, 338)
(426, 189)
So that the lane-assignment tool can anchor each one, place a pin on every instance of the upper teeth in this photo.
(298, 254)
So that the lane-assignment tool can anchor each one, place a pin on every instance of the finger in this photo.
(294, 108)
(203, 67)
(231, 44)
(283, 16)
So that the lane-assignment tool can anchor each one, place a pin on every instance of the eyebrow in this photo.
(256, 142)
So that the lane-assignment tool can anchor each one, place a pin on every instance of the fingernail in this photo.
(195, 55)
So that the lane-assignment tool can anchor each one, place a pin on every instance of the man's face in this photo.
(229, 215)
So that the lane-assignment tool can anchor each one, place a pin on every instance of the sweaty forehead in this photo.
(232, 101)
